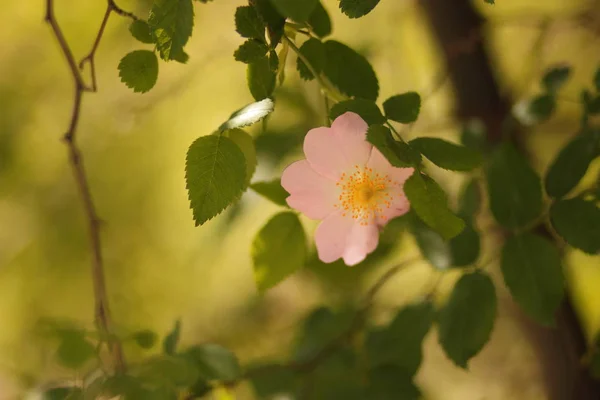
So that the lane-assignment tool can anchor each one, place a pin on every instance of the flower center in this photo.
(365, 195)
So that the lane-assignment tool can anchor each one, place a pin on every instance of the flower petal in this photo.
(342, 237)
(332, 151)
(399, 206)
(379, 163)
(310, 193)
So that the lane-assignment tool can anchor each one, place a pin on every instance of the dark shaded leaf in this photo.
(465, 247)
(367, 110)
(314, 51)
(577, 221)
(357, 8)
(399, 154)
(271, 190)
(172, 339)
(250, 51)
(274, 21)
(145, 338)
(469, 201)
(403, 108)
(249, 24)
(141, 31)
(391, 383)
(555, 78)
(261, 79)
(299, 11)
(214, 362)
(447, 155)
(319, 21)
(541, 107)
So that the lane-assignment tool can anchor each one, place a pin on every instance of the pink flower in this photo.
(348, 184)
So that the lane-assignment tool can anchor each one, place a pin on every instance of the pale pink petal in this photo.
(332, 151)
(399, 206)
(342, 237)
(380, 164)
(310, 193)
(361, 241)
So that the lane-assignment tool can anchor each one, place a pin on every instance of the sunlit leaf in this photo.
(139, 70)
(141, 31)
(171, 22)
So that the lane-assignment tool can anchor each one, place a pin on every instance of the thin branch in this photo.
(102, 313)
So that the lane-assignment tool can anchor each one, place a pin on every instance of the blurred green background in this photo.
(160, 267)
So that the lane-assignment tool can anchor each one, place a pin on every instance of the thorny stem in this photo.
(102, 312)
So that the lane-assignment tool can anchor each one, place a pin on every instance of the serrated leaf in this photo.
(399, 154)
(400, 343)
(278, 250)
(250, 51)
(139, 70)
(249, 24)
(261, 78)
(141, 31)
(145, 338)
(389, 382)
(299, 11)
(430, 203)
(74, 349)
(514, 188)
(248, 115)
(172, 339)
(555, 78)
(542, 107)
(215, 176)
(577, 221)
(532, 272)
(357, 8)
(215, 362)
(274, 21)
(572, 162)
(271, 190)
(171, 22)
(403, 108)
(350, 72)
(314, 51)
(467, 319)
(319, 21)
(246, 144)
(447, 155)
(367, 110)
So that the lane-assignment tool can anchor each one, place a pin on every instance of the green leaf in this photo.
(389, 382)
(171, 22)
(215, 176)
(145, 338)
(167, 371)
(278, 250)
(473, 135)
(400, 343)
(299, 11)
(172, 339)
(533, 274)
(357, 8)
(139, 70)
(261, 79)
(447, 155)
(246, 144)
(141, 31)
(597, 79)
(250, 51)
(403, 108)
(249, 24)
(367, 109)
(591, 103)
(466, 321)
(215, 362)
(273, 61)
(248, 115)
(399, 154)
(63, 393)
(278, 381)
(514, 188)
(350, 72)
(572, 163)
(430, 203)
(274, 21)
(314, 51)
(74, 349)
(555, 78)
(577, 221)
(271, 190)
(541, 107)
(490, 1)
(465, 247)
(469, 201)
(319, 21)
(432, 245)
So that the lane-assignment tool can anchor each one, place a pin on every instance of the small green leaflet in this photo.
(572, 163)
(215, 176)
(74, 349)
(367, 110)
(447, 155)
(577, 221)
(514, 188)
(171, 22)
(467, 320)
(271, 190)
(399, 154)
(141, 31)
(541, 107)
(139, 70)
(248, 115)
(532, 272)
(261, 78)
(403, 108)
(555, 78)
(248, 23)
(490, 1)
(469, 202)
(145, 338)
(314, 51)
(250, 51)
(214, 362)
(299, 11)
(357, 8)
(278, 250)
(319, 21)
(172, 339)
(350, 72)
(430, 203)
